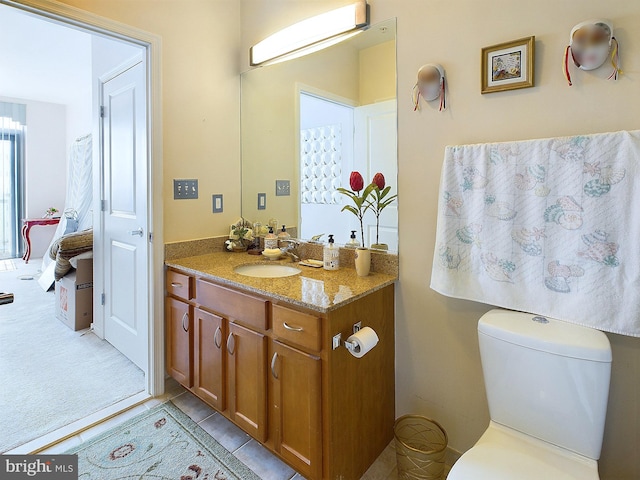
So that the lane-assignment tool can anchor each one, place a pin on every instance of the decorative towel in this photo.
(550, 227)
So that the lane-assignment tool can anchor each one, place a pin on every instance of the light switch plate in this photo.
(185, 189)
(283, 188)
(217, 203)
(262, 201)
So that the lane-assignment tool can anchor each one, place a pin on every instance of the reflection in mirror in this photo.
(313, 120)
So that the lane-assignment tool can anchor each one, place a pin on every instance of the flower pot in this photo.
(380, 246)
(239, 247)
(363, 261)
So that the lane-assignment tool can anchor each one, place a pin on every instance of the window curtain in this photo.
(13, 122)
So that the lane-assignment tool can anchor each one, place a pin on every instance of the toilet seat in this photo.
(505, 454)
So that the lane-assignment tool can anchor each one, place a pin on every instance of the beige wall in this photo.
(438, 365)
(378, 84)
(201, 115)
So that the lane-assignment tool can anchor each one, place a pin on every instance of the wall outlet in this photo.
(283, 188)
(185, 189)
(262, 201)
(217, 203)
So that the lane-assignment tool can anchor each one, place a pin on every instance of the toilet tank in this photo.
(546, 378)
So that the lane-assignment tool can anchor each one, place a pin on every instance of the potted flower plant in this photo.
(359, 208)
(360, 203)
(378, 203)
(240, 236)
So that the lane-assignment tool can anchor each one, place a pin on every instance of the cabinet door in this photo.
(209, 358)
(179, 325)
(246, 355)
(296, 412)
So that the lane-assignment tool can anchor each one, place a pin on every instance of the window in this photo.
(12, 130)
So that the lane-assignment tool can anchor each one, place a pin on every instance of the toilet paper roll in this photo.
(362, 342)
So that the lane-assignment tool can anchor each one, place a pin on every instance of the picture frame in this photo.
(508, 66)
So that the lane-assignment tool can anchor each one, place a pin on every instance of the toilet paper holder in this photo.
(351, 346)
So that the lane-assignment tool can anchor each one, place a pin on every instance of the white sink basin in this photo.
(261, 270)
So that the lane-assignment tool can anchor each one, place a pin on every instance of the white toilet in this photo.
(547, 385)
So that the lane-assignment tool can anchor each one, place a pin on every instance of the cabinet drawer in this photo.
(179, 285)
(236, 306)
(297, 327)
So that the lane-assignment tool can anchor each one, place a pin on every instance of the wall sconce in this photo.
(311, 35)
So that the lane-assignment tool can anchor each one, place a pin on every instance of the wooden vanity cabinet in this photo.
(210, 358)
(269, 366)
(245, 319)
(295, 415)
(295, 389)
(179, 327)
(247, 355)
(179, 340)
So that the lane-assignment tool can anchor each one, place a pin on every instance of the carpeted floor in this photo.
(51, 375)
(162, 443)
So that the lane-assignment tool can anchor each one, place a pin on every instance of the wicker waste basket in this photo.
(420, 448)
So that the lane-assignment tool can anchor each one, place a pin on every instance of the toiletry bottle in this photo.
(257, 233)
(283, 235)
(270, 240)
(353, 243)
(331, 255)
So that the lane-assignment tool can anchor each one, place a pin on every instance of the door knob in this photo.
(138, 232)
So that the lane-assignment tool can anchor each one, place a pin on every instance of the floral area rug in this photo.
(160, 444)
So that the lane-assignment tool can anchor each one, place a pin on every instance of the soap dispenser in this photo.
(283, 235)
(270, 240)
(353, 243)
(331, 255)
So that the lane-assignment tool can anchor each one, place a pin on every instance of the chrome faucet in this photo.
(291, 250)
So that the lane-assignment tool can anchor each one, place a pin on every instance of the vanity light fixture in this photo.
(311, 35)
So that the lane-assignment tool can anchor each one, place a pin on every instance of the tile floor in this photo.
(266, 465)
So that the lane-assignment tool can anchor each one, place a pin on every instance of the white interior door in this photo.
(376, 151)
(124, 216)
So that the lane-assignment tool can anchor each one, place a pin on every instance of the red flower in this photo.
(378, 179)
(356, 181)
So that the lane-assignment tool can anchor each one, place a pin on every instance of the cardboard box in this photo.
(74, 296)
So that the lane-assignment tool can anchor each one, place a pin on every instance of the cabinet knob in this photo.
(185, 322)
(273, 365)
(176, 284)
(231, 344)
(293, 329)
(217, 337)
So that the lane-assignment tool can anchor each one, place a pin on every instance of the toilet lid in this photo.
(503, 454)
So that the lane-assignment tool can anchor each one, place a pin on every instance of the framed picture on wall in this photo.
(508, 66)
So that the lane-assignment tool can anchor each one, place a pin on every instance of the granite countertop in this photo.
(314, 288)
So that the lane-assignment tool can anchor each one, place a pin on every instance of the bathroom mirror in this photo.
(307, 123)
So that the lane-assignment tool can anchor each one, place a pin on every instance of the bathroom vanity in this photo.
(261, 352)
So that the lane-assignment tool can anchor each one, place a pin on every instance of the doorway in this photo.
(151, 297)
